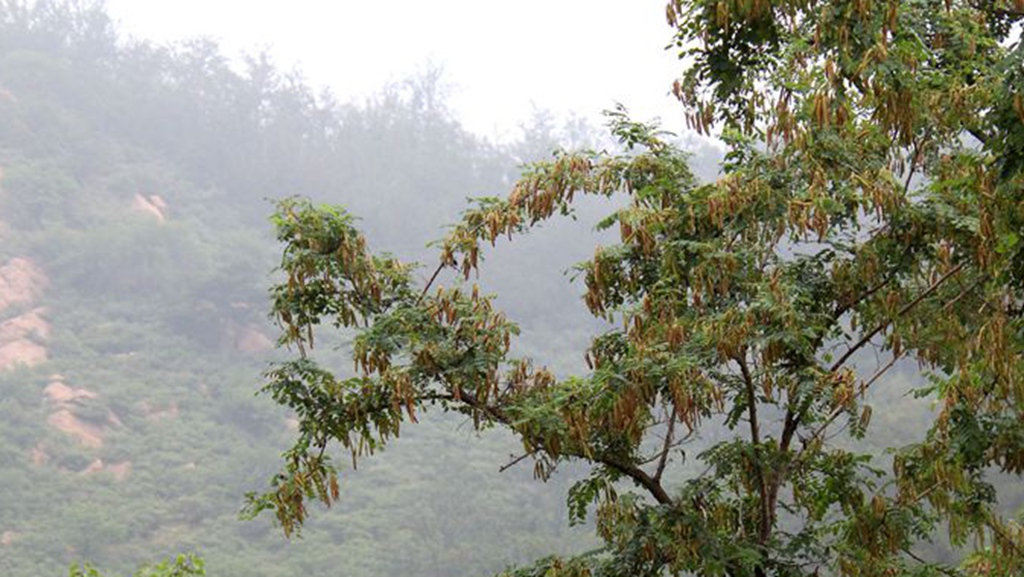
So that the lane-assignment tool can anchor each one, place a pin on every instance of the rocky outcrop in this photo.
(21, 282)
(58, 393)
(23, 340)
(87, 434)
(23, 336)
(153, 206)
(68, 403)
(24, 353)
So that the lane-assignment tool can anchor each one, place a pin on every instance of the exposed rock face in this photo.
(21, 353)
(65, 400)
(157, 201)
(22, 337)
(246, 338)
(59, 394)
(87, 434)
(153, 206)
(30, 325)
(21, 282)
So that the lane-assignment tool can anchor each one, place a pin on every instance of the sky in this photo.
(501, 60)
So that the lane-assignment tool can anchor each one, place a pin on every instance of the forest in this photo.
(250, 329)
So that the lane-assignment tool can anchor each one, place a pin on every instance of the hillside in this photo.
(133, 263)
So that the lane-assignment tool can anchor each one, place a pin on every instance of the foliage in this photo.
(180, 566)
(871, 200)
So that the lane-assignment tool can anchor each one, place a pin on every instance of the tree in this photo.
(180, 566)
(872, 200)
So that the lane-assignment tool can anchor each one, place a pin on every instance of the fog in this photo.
(502, 60)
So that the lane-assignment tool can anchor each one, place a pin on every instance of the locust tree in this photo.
(871, 200)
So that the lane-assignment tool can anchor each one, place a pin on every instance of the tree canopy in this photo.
(869, 214)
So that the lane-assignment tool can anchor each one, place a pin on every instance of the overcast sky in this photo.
(500, 58)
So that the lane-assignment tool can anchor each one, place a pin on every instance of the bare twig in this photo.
(430, 282)
(513, 463)
(669, 434)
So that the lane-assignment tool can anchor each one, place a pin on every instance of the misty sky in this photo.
(500, 58)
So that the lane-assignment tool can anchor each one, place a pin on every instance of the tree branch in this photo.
(669, 434)
(430, 282)
(839, 410)
(638, 475)
(513, 463)
(940, 569)
(755, 437)
(906, 308)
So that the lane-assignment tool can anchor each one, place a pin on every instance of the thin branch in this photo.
(892, 362)
(430, 282)
(638, 475)
(913, 169)
(513, 463)
(794, 418)
(882, 326)
(939, 568)
(656, 456)
(964, 293)
(669, 434)
(880, 372)
(441, 267)
(871, 291)
(863, 389)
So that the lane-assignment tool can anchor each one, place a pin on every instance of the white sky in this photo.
(500, 58)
